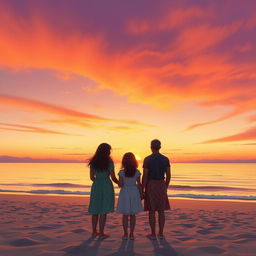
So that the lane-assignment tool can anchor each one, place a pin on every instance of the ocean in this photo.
(236, 181)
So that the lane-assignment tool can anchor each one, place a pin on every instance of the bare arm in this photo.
(121, 181)
(168, 176)
(139, 187)
(144, 178)
(92, 174)
(113, 176)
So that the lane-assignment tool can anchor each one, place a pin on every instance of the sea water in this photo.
(236, 181)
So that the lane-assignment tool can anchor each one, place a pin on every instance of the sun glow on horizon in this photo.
(138, 158)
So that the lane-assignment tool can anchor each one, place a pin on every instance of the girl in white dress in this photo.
(129, 201)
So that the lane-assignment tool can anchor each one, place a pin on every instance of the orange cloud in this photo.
(69, 116)
(184, 55)
(100, 125)
(171, 20)
(252, 119)
(26, 128)
(244, 103)
(247, 135)
(223, 118)
(8, 100)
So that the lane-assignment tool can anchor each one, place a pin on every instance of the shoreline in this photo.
(174, 202)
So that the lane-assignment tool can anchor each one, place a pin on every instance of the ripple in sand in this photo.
(204, 231)
(80, 230)
(48, 227)
(185, 238)
(41, 237)
(7, 222)
(241, 241)
(72, 222)
(23, 242)
(212, 249)
(221, 237)
(188, 225)
(246, 235)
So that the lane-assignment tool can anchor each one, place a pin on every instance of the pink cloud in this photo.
(242, 103)
(26, 128)
(170, 20)
(249, 134)
(189, 53)
(68, 116)
(8, 100)
(252, 118)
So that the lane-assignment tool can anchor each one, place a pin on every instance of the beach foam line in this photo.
(227, 197)
(192, 196)
(45, 192)
(172, 187)
(62, 185)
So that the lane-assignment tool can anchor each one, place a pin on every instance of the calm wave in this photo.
(66, 192)
(176, 187)
(207, 181)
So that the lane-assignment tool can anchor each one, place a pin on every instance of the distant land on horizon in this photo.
(12, 159)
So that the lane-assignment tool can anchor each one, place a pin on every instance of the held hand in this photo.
(143, 195)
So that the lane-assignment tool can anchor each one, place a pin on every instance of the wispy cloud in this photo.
(26, 128)
(172, 19)
(249, 134)
(242, 104)
(249, 144)
(9, 100)
(183, 56)
(69, 116)
(252, 119)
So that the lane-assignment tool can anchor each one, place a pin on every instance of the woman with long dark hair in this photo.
(102, 191)
(129, 201)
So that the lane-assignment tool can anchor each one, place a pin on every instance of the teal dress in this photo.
(102, 196)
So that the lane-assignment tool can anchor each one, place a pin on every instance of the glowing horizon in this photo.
(76, 74)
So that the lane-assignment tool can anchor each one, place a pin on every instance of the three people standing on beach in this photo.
(155, 181)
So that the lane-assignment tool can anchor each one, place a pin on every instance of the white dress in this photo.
(129, 201)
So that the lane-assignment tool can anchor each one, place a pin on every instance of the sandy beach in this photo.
(58, 225)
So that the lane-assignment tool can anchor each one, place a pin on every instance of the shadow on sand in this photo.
(126, 248)
(163, 248)
(88, 247)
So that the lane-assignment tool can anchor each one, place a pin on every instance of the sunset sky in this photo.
(77, 73)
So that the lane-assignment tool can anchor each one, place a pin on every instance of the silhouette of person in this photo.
(155, 182)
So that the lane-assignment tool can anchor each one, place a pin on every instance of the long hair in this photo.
(130, 164)
(101, 158)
